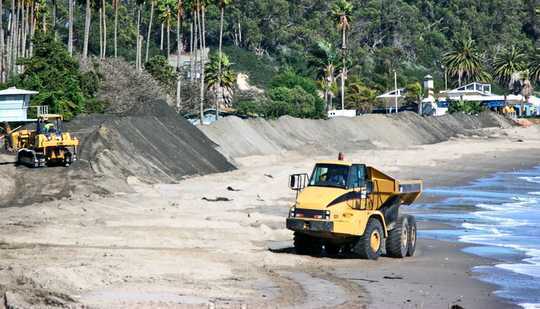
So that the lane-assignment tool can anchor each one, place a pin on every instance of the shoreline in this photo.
(164, 240)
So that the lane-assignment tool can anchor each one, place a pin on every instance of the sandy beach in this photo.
(164, 246)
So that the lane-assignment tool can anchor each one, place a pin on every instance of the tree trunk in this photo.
(32, 28)
(9, 46)
(202, 34)
(116, 2)
(191, 50)
(138, 53)
(104, 12)
(343, 88)
(100, 33)
(149, 30)
(198, 13)
(168, 39)
(23, 28)
(196, 48)
(14, 34)
(240, 33)
(344, 46)
(2, 62)
(161, 37)
(178, 37)
(70, 28)
(87, 20)
(53, 22)
(220, 57)
(179, 53)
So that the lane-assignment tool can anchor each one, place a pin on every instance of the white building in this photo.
(478, 92)
(14, 105)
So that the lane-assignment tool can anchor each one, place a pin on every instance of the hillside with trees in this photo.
(306, 54)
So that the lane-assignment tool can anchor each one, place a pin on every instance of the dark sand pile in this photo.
(141, 135)
(242, 138)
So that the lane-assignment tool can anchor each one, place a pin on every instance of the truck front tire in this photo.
(307, 245)
(397, 244)
(369, 245)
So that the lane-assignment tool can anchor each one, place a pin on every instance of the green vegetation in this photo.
(470, 108)
(159, 68)
(57, 77)
(220, 76)
(289, 94)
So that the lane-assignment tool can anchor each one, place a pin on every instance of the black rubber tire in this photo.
(307, 245)
(411, 243)
(332, 249)
(397, 242)
(363, 245)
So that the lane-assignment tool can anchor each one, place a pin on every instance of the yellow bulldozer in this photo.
(349, 208)
(47, 145)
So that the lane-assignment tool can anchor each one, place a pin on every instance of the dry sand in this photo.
(163, 246)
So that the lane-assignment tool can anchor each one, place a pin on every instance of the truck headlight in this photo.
(327, 215)
(292, 212)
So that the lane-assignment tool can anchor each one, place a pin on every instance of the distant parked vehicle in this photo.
(342, 113)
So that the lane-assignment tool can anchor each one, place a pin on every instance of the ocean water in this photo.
(499, 217)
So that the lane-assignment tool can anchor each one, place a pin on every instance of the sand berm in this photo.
(257, 137)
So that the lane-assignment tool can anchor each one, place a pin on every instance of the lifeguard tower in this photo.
(15, 103)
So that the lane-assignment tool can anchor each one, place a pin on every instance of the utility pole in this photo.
(445, 79)
(396, 91)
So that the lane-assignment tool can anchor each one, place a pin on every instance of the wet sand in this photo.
(164, 246)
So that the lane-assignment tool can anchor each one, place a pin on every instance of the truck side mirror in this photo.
(298, 182)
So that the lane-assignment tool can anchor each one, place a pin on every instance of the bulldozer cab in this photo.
(50, 123)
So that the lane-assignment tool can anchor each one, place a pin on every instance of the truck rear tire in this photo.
(411, 246)
(397, 243)
(307, 245)
(369, 245)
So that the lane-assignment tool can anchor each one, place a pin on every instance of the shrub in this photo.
(465, 107)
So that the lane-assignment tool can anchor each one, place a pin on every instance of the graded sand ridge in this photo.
(258, 137)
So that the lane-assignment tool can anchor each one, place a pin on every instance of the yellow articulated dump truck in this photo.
(47, 145)
(352, 208)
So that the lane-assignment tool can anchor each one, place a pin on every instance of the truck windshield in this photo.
(328, 175)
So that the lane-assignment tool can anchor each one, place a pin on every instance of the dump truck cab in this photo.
(344, 206)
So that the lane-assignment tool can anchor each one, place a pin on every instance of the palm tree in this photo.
(166, 8)
(534, 66)
(465, 61)
(324, 57)
(508, 63)
(220, 77)
(342, 11)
